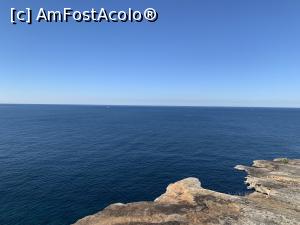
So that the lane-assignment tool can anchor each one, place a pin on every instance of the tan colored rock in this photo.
(181, 191)
(275, 200)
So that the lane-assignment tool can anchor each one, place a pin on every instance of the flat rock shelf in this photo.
(275, 200)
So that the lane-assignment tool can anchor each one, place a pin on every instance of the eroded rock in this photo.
(275, 200)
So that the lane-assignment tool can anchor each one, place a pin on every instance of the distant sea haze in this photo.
(60, 163)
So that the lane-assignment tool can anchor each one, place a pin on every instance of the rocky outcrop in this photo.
(275, 200)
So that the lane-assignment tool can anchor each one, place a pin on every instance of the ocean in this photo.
(60, 163)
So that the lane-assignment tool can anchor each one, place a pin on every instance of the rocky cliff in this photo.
(275, 200)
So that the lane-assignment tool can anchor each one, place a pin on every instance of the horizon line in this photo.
(141, 105)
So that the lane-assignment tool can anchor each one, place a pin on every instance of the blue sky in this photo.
(212, 52)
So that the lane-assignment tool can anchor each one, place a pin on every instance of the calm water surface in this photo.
(61, 163)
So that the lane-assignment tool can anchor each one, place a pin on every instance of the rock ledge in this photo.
(275, 200)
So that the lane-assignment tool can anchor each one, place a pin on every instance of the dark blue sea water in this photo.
(61, 163)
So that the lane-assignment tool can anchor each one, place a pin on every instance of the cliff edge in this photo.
(275, 200)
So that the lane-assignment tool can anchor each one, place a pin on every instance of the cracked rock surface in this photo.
(275, 200)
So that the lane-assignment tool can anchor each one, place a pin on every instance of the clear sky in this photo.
(200, 52)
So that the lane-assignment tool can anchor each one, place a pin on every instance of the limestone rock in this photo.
(275, 200)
